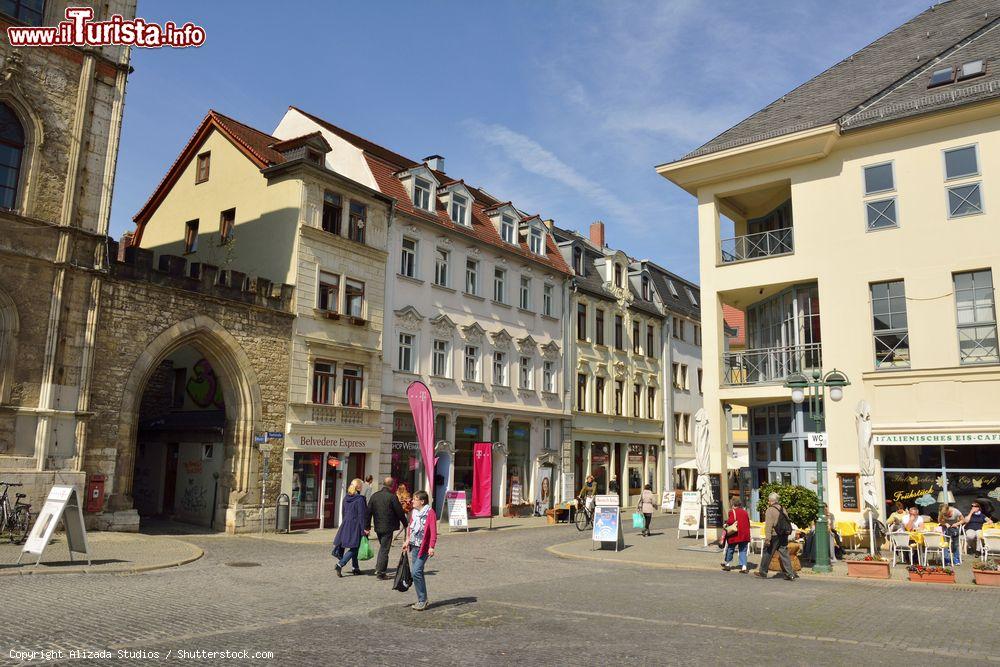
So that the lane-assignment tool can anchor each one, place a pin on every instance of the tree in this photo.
(801, 503)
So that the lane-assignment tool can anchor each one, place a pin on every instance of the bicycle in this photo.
(15, 520)
(584, 514)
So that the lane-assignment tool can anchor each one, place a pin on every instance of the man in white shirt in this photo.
(913, 520)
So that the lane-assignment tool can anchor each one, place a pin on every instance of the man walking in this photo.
(777, 528)
(385, 510)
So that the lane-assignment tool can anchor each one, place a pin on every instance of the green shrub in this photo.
(801, 503)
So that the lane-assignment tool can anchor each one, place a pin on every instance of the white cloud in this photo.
(534, 158)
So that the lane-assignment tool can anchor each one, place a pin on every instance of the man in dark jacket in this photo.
(387, 514)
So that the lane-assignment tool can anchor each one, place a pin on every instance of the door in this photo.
(333, 463)
(306, 480)
(170, 478)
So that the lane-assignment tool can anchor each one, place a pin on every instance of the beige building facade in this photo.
(880, 208)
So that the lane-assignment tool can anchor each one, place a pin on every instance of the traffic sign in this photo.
(818, 440)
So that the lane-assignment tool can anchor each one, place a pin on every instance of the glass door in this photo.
(306, 480)
(333, 463)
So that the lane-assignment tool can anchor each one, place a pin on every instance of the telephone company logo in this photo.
(79, 29)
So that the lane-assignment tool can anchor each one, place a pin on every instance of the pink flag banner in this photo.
(422, 409)
(482, 479)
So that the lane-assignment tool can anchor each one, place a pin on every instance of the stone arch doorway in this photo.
(217, 440)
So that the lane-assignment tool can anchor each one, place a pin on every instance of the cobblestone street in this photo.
(497, 598)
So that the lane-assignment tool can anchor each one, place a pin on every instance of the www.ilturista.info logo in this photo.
(80, 30)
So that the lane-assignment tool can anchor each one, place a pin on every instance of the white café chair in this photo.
(935, 543)
(900, 542)
(990, 543)
(757, 538)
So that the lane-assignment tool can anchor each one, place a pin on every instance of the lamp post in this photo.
(814, 390)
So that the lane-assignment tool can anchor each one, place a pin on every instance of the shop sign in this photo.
(669, 501)
(399, 444)
(936, 439)
(327, 442)
(690, 516)
(458, 514)
(919, 488)
(606, 524)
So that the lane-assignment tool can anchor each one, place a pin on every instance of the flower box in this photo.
(868, 569)
(926, 576)
(986, 577)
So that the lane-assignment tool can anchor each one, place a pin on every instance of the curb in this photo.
(24, 571)
(287, 539)
(809, 576)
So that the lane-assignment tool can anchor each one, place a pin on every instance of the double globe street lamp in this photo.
(814, 390)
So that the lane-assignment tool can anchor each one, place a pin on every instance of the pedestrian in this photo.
(420, 540)
(352, 527)
(740, 539)
(368, 488)
(386, 512)
(588, 491)
(777, 528)
(949, 523)
(647, 504)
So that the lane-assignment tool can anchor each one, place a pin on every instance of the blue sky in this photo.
(562, 106)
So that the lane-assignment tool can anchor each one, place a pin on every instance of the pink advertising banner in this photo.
(422, 409)
(482, 479)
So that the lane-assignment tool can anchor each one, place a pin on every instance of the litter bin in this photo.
(282, 512)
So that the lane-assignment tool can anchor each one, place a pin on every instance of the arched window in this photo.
(11, 149)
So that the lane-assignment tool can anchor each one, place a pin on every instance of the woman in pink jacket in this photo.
(420, 540)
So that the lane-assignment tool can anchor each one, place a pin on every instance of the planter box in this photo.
(868, 569)
(935, 578)
(986, 577)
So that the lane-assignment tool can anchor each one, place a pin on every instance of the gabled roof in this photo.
(254, 144)
(384, 164)
(885, 80)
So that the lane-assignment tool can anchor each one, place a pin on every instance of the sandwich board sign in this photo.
(458, 513)
(690, 516)
(63, 503)
(607, 521)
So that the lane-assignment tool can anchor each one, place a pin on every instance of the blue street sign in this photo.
(275, 435)
(260, 439)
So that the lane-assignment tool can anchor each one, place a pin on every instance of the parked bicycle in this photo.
(584, 513)
(15, 520)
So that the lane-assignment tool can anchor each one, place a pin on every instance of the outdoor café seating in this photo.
(990, 544)
(936, 544)
(756, 537)
(900, 543)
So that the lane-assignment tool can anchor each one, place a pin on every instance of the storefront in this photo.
(316, 471)
(468, 431)
(927, 469)
(518, 447)
(600, 460)
(404, 464)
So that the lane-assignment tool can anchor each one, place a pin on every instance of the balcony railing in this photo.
(336, 414)
(771, 364)
(755, 246)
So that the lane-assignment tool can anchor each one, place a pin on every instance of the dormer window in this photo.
(507, 229)
(645, 288)
(536, 242)
(618, 275)
(459, 209)
(422, 194)
(578, 261)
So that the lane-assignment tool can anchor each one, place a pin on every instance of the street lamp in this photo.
(814, 389)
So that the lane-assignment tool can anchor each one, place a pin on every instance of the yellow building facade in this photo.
(883, 212)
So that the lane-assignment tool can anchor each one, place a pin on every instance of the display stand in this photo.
(692, 515)
(63, 502)
(607, 522)
(458, 514)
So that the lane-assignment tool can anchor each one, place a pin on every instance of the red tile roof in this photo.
(736, 319)
(385, 164)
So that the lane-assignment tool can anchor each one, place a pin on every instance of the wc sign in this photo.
(818, 440)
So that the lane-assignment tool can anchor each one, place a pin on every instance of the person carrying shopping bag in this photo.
(737, 528)
(647, 505)
(352, 528)
(421, 536)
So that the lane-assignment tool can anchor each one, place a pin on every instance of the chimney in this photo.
(597, 233)
(549, 224)
(126, 242)
(435, 162)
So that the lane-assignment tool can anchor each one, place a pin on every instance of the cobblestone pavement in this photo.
(109, 553)
(498, 598)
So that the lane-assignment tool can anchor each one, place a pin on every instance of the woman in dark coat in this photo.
(352, 527)
(739, 540)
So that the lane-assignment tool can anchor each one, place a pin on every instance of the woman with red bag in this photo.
(737, 529)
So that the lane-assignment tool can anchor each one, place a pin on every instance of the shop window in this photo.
(911, 456)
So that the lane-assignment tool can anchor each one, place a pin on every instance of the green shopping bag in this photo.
(365, 550)
(638, 521)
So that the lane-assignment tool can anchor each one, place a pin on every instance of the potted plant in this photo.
(986, 572)
(800, 503)
(867, 566)
(932, 574)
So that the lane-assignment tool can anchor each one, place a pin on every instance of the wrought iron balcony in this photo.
(756, 246)
(770, 364)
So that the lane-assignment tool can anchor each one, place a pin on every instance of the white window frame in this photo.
(442, 261)
(474, 367)
(500, 375)
(472, 272)
(525, 374)
(422, 197)
(524, 297)
(441, 355)
(548, 292)
(411, 348)
(548, 377)
(875, 197)
(459, 212)
(536, 237)
(408, 257)
(499, 285)
(508, 230)
(964, 181)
